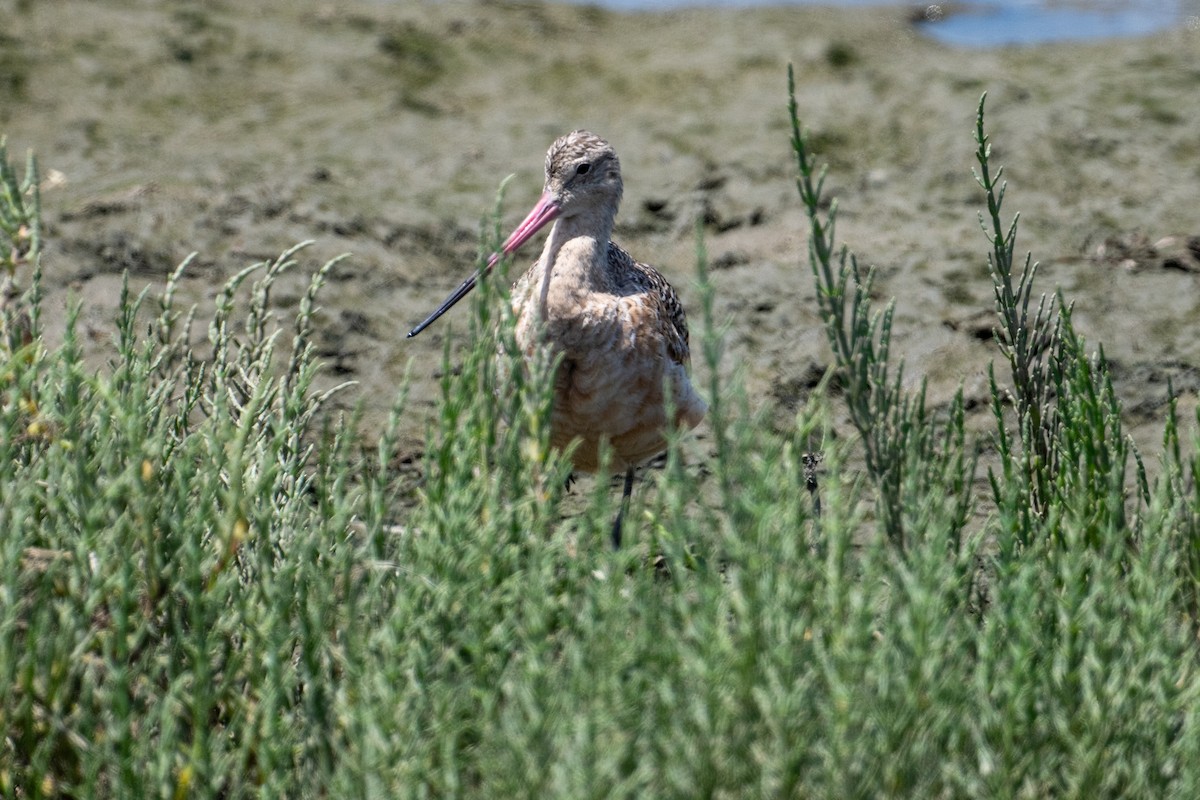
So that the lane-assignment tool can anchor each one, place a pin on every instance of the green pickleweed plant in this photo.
(1088, 565)
(175, 555)
(212, 585)
(921, 467)
(1070, 454)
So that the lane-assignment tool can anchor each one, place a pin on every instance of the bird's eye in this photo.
(583, 168)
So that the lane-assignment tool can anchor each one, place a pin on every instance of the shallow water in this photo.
(991, 23)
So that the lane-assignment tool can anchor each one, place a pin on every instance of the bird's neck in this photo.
(576, 253)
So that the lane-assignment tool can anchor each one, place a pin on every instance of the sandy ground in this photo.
(383, 130)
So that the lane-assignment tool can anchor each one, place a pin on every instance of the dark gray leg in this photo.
(625, 495)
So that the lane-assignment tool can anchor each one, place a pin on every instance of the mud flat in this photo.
(384, 129)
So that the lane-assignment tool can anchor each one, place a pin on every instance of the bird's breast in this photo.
(615, 351)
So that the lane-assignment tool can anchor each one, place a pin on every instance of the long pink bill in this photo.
(545, 211)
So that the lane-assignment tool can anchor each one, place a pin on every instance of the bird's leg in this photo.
(625, 495)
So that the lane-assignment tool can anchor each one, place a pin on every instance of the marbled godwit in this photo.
(617, 322)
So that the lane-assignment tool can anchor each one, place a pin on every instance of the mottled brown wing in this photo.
(646, 279)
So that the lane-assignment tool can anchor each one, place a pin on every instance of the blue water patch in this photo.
(990, 23)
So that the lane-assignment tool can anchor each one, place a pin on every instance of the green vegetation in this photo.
(210, 588)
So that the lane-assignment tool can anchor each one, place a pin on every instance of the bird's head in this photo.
(582, 170)
(583, 176)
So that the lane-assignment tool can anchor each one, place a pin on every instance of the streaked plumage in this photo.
(618, 324)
